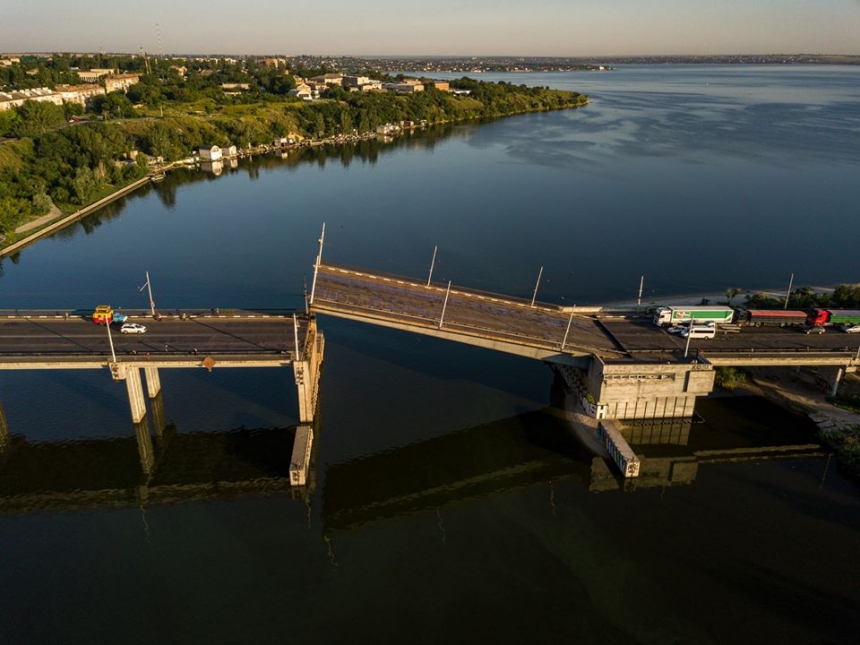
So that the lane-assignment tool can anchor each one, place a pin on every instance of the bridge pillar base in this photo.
(307, 371)
(639, 391)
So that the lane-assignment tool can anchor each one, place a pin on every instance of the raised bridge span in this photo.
(616, 364)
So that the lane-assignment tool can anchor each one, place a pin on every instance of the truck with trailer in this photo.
(697, 314)
(827, 317)
(770, 317)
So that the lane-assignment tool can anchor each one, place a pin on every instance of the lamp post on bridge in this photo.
(148, 286)
(537, 284)
(110, 342)
(444, 305)
(317, 264)
(432, 264)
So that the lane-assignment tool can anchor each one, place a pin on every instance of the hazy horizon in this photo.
(384, 28)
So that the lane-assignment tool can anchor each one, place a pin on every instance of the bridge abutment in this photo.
(307, 369)
(639, 391)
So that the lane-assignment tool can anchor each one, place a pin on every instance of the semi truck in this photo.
(824, 317)
(778, 317)
(683, 314)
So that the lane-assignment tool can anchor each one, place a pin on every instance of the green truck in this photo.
(682, 314)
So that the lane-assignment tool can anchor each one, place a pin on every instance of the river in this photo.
(449, 503)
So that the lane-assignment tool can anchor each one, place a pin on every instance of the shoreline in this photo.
(61, 223)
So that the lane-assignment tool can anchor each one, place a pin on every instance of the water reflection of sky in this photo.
(778, 115)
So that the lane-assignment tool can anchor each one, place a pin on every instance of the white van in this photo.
(700, 331)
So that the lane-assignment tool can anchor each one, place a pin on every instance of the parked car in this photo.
(132, 328)
(815, 329)
(851, 329)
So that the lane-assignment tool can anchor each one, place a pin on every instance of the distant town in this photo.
(480, 64)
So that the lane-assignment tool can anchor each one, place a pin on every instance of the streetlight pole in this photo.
(432, 264)
(788, 293)
(537, 284)
(566, 332)
(639, 298)
(317, 264)
(444, 305)
(110, 342)
(149, 291)
(689, 336)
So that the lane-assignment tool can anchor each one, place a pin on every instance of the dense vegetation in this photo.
(179, 106)
(845, 296)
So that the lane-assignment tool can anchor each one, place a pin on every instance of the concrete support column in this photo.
(153, 381)
(156, 403)
(5, 436)
(135, 394)
(144, 444)
(307, 370)
(834, 376)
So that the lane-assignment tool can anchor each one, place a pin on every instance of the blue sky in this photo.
(438, 27)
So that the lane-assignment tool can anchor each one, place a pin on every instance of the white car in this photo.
(132, 328)
(851, 329)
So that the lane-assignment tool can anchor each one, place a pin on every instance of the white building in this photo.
(210, 153)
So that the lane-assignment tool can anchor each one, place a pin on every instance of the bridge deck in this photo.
(399, 302)
(36, 340)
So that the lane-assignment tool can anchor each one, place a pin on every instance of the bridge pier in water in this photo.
(639, 390)
(307, 370)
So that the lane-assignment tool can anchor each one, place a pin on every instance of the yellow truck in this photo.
(104, 315)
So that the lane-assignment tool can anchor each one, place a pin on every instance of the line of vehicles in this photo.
(812, 321)
(105, 315)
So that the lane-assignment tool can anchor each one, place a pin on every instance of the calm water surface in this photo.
(449, 502)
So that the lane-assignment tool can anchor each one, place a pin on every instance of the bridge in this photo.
(614, 363)
(617, 363)
(181, 339)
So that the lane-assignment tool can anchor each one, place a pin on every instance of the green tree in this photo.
(37, 117)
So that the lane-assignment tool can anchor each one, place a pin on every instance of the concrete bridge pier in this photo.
(306, 370)
(156, 403)
(638, 391)
(144, 445)
(134, 386)
(833, 376)
(153, 381)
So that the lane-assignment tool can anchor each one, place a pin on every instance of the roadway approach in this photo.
(189, 339)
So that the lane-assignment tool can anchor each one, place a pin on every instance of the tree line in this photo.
(45, 160)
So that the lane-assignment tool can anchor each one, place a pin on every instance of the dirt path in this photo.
(54, 214)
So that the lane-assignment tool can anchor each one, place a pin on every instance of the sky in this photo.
(435, 27)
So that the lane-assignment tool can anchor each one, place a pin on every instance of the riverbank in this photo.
(53, 225)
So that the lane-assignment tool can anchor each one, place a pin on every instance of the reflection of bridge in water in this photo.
(105, 473)
(529, 449)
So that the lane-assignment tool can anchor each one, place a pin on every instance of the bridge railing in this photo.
(146, 313)
(444, 285)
